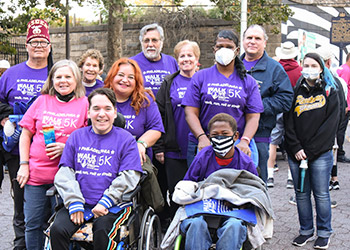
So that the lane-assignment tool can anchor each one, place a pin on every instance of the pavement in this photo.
(286, 224)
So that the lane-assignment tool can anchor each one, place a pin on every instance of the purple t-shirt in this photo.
(99, 84)
(97, 159)
(177, 92)
(148, 118)
(213, 93)
(205, 164)
(250, 65)
(154, 72)
(21, 83)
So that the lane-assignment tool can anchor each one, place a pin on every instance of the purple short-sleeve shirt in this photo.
(154, 71)
(213, 93)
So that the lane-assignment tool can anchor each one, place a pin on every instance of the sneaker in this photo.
(275, 168)
(270, 182)
(292, 200)
(290, 184)
(330, 185)
(334, 204)
(343, 159)
(321, 243)
(301, 240)
(335, 185)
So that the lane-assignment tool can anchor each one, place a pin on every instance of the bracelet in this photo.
(24, 163)
(143, 143)
(245, 138)
(200, 136)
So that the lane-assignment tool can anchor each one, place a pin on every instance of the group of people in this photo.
(188, 124)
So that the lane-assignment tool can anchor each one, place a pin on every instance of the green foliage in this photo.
(263, 12)
(6, 47)
(12, 24)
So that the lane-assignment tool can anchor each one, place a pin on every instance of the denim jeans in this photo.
(263, 149)
(191, 152)
(316, 180)
(231, 234)
(37, 209)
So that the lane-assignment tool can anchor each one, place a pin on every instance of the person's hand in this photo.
(142, 152)
(160, 157)
(77, 218)
(203, 141)
(99, 210)
(23, 175)
(243, 145)
(300, 155)
(54, 150)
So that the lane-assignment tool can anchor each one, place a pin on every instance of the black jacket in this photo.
(167, 141)
(312, 122)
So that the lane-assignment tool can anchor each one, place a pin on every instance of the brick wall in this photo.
(88, 37)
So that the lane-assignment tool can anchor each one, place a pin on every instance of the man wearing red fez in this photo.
(20, 83)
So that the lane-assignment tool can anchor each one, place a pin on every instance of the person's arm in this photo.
(69, 190)
(159, 147)
(192, 119)
(290, 133)
(251, 126)
(149, 137)
(24, 146)
(125, 182)
(281, 99)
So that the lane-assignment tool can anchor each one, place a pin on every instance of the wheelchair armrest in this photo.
(52, 191)
(128, 196)
(143, 177)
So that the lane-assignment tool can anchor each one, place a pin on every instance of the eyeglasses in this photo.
(35, 44)
(153, 40)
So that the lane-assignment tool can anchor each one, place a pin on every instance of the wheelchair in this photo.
(214, 222)
(141, 231)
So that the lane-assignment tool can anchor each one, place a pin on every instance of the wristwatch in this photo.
(143, 143)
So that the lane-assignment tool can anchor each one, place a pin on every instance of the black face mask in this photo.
(64, 98)
(222, 144)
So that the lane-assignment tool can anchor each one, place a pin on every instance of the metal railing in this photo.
(20, 54)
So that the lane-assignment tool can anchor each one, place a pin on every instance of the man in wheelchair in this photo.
(222, 181)
(99, 164)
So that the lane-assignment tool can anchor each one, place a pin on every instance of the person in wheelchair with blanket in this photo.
(99, 164)
(222, 182)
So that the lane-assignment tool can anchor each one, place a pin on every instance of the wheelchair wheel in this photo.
(150, 233)
(154, 236)
(146, 217)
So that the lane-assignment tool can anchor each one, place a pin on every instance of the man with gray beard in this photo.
(154, 64)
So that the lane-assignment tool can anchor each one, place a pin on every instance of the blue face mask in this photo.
(222, 144)
(311, 73)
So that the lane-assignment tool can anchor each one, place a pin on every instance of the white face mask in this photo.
(225, 56)
(311, 73)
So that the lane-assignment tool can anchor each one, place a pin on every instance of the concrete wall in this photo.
(88, 37)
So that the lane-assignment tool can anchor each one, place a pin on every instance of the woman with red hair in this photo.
(137, 104)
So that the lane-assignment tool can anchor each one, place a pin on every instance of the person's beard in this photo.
(152, 55)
